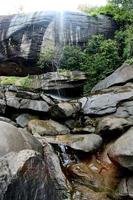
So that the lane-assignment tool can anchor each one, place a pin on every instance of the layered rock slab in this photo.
(121, 76)
(85, 143)
(108, 101)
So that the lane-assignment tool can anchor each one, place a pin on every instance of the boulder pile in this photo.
(77, 147)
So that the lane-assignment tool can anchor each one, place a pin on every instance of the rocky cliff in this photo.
(24, 37)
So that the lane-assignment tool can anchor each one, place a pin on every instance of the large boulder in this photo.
(122, 150)
(109, 101)
(14, 139)
(47, 127)
(65, 109)
(24, 37)
(113, 126)
(12, 100)
(121, 76)
(25, 175)
(85, 143)
(63, 84)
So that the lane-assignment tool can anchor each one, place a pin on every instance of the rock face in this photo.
(121, 76)
(24, 37)
(12, 100)
(109, 101)
(65, 109)
(122, 150)
(31, 92)
(125, 188)
(113, 126)
(113, 95)
(27, 170)
(25, 175)
(14, 139)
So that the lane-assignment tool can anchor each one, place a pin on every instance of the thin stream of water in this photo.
(59, 49)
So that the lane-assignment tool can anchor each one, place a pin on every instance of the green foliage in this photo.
(128, 50)
(106, 55)
(99, 58)
(18, 81)
(72, 58)
(129, 61)
(46, 58)
(120, 10)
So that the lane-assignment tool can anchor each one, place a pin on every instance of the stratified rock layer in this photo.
(24, 37)
(121, 76)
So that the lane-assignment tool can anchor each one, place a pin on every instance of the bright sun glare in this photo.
(15, 6)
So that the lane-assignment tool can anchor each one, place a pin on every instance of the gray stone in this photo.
(84, 130)
(125, 109)
(121, 76)
(25, 175)
(2, 101)
(19, 103)
(122, 190)
(86, 143)
(14, 139)
(125, 188)
(61, 184)
(108, 126)
(106, 102)
(122, 150)
(72, 123)
(2, 106)
(47, 127)
(65, 109)
(23, 119)
(47, 99)
(5, 119)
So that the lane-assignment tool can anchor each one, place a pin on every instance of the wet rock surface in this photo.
(65, 109)
(25, 37)
(23, 119)
(125, 188)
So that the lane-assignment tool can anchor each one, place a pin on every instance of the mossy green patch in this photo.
(24, 82)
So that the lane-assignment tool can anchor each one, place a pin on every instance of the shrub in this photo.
(98, 59)
(46, 58)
